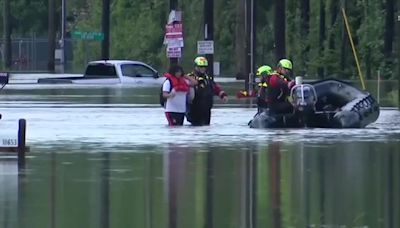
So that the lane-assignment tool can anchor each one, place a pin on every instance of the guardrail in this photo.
(16, 144)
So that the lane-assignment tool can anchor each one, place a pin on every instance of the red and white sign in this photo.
(174, 31)
(174, 52)
(174, 35)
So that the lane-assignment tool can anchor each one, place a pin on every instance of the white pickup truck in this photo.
(113, 72)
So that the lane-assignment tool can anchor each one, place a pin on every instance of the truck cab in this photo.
(113, 72)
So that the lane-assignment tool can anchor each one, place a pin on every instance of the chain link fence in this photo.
(31, 54)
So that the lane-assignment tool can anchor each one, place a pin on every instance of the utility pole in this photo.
(247, 28)
(250, 28)
(344, 47)
(280, 25)
(253, 28)
(51, 36)
(209, 31)
(105, 26)
(173, 5)
(398, 55)
(253, 39)
(7, 34)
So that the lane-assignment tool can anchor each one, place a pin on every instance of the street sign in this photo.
(205, 47)
(175, 52)
(79, 35)
(174, 31)
(174, 35)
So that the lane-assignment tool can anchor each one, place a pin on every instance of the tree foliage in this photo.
(137, 30)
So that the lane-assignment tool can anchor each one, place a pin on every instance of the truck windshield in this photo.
(101, 71)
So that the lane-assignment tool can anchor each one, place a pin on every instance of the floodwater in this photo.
(104, 157)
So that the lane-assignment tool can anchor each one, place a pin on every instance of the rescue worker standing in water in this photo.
(278, 88)
(200, 109)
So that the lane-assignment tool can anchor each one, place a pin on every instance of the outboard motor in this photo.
(303, 97)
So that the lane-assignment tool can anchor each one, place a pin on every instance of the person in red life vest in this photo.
(200, 109)
(176, 91)
(279, 84)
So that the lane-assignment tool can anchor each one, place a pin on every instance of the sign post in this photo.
(208, 12)
(173, 37)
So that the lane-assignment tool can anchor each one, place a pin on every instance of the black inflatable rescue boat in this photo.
(327, 103)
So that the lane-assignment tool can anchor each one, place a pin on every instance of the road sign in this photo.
(79, 35)
(174, 35)
(205, 47)
(175, 52)
(174, 31)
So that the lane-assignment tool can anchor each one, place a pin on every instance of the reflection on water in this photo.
(352, 184)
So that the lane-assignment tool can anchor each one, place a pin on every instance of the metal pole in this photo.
(19, 62)
(173, 5)
(354, 49)
(378, 86)
(209, 31)
(252, 45)
(247, 28)
(63, 29)
(34, 51)
(250, 89)
(21, 144)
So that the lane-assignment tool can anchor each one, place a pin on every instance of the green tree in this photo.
(310, 32)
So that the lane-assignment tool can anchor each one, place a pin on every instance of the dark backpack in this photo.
(162, 99)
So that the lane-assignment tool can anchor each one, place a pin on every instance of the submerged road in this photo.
(110, 116)
(108, 153)
(113, 125)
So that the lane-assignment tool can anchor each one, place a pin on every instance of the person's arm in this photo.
(168, 95)
(167, 91)
(192, 80)
(218, 91)
(190, 95)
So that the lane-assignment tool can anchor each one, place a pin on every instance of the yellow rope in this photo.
(354, 49)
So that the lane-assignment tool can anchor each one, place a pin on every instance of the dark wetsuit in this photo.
(262, 103)
(200, 109)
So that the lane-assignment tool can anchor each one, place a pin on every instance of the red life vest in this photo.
(179, 84)
(278, 89)
(276, 80)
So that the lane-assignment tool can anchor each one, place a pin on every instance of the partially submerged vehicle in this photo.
(327, 103)
(112, 72)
